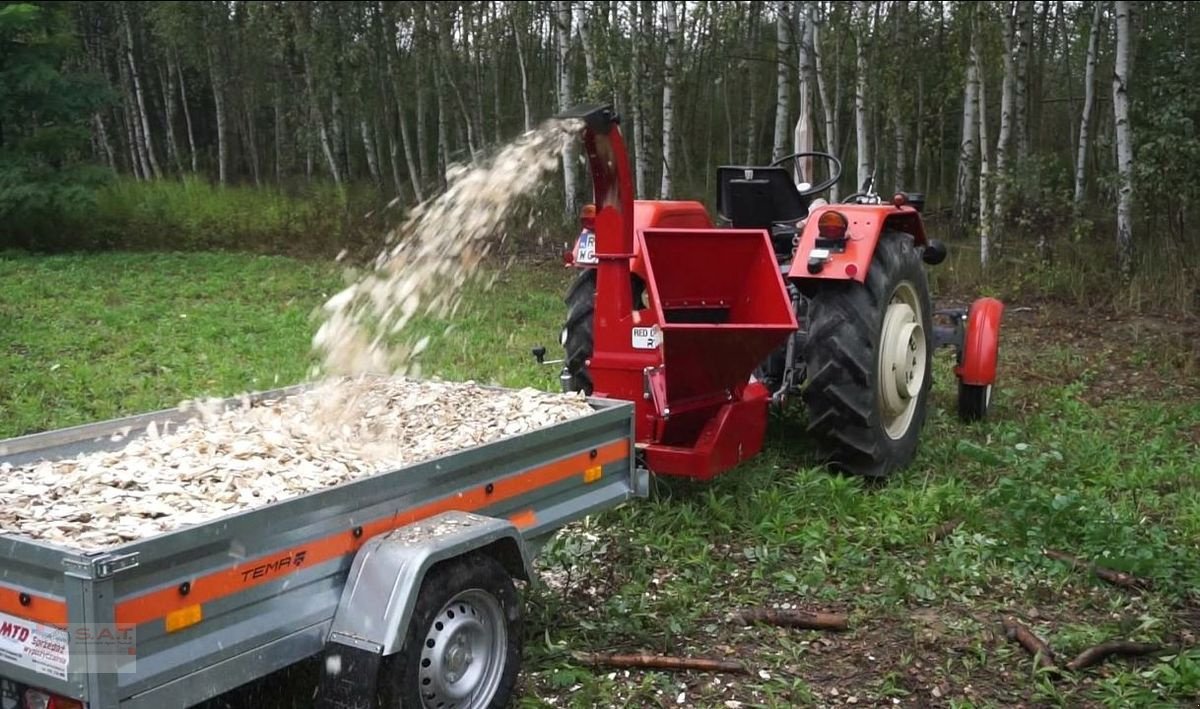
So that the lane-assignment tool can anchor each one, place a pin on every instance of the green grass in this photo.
(1092, 450)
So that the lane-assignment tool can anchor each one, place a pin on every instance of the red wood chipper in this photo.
(706, 327)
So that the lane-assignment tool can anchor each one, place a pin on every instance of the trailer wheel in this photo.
(577, 338)
(869, 362)
(462, 649)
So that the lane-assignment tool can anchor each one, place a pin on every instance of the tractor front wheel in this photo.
(869, 362)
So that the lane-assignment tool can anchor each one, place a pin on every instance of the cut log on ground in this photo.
(1035, 646)
(792, 619)
(1099, 653)
(660, 662)
(1116, 578)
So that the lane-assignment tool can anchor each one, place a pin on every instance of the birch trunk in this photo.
(919, 142)
(1024, 36)
(642, 11)
(528, 113)
(187, 115)
(782, 80)
(970, 130)
(218, 87)
(392, 63)
(748, 81)
(1089, 98)
(803, 138)
(583, 25)
(668, 97)
(1006, 116)
(133, 126)
(136, 77)
(336, 125)
(831, 141)
(1120, 89)
(563, 32)
(281, 167)
(861, 10)
(985, 212)
(167, 81)
(315, 109)
(364, 128)
(251, 139)
(110, 157)
(420, 33)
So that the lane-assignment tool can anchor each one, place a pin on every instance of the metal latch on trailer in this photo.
(101, 567)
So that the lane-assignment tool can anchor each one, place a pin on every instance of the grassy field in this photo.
(1093, 450)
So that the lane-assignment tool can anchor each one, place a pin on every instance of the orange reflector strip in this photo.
(592, 474)
(185, 617)
(523, 519)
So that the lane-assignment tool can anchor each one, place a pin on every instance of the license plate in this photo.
(646, 338)
(585, 250)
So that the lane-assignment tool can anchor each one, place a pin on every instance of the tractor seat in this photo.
(758, 197)
(762, 198)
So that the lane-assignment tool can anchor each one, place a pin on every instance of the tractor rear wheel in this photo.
(869, 362)
(577, 338)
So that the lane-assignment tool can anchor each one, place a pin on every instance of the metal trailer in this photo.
(340, 571)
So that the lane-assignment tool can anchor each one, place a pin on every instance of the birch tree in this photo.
(803, 138)
(862, 29)
(563, 27)
(1007, 90)
(1089, 97)
(969, 146)
(135, 76)
(1124, 136)
(985, 213)
(831, 135)
(642, 14)
(782, 79)
(668, 97)
(1024, 40)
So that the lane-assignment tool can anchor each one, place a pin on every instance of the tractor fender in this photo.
(867, 224)
(981, 343)
(385, 578)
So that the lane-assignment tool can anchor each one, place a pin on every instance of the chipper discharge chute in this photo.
(680, 327)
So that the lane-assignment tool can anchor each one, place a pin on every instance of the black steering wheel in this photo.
(836, 172)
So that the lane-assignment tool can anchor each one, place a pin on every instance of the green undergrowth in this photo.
(1070, 461)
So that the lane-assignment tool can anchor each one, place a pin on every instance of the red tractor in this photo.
(705, 328)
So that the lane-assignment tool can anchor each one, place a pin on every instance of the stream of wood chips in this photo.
(254, 454)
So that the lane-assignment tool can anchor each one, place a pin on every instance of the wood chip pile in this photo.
(224, 461)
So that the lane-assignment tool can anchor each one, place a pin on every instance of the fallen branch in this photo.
(792, 619)
(1034, 645)
(1103, 651)
(1116, 578)
(660, 662)
(945, 529)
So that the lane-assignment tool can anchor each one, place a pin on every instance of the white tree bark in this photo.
(166, 80)
(1089, 99)
(862, 29)
(1006, 114)
(668, 97)
(643, 17)
(1124, 134)
(563, 27)
(1024, 37)
(524, 73)
(583, 24)
(831, 137)
(364, 129)
(803, 137)
(218, 87)
(969, 146)
(136, 77)
(783, 12)
(985, 212)
(187, 115)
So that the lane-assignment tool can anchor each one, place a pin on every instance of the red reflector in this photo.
(851, 270)
(899, 199)
(832, 225)
(569, 257)
(37, 699)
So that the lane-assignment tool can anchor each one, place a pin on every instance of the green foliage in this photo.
(45, 174)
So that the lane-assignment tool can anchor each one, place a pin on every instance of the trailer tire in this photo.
(577, 337)
(465, 630)
(866, 424)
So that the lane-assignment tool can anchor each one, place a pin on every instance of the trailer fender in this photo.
(387, 572)
(981, 343)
